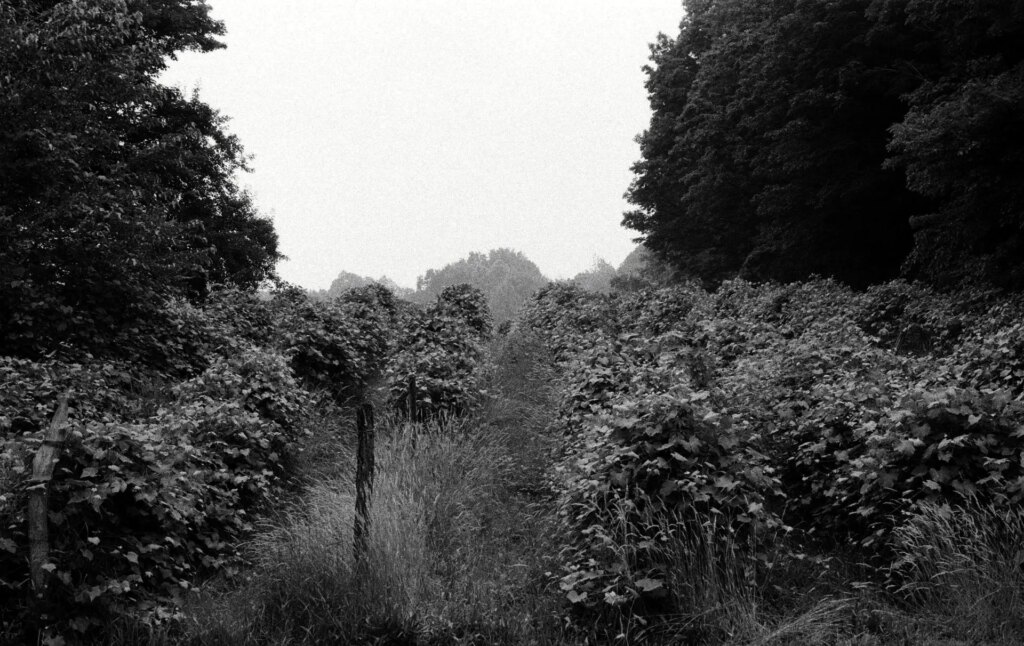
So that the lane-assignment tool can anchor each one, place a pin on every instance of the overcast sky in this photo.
(390, 137)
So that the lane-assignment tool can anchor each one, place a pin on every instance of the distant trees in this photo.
(596, 279)
(506, 277)
(642, 269)
(851, 138)
(346, 281)
(115, 192)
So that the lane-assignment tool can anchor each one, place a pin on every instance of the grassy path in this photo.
(462, 536)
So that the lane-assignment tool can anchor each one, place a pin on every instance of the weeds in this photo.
(462, 551)
(961, 570)
(457, 552)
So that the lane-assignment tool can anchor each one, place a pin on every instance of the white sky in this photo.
(394, 136)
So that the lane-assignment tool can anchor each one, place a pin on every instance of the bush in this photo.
(467, 303)
(442, 347)
(338, 346)
(170, 460)
(648, 442)
(758, 407)
(142, 509)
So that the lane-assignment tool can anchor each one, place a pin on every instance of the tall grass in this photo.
(460, 536)
(961, 568)
(421, 576)
(959, 573)
(714, 583)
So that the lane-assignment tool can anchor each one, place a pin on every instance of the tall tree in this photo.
(115, 192)
(961, 142)
(691, 187)
(764, 155)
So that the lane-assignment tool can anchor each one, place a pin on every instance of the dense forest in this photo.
(860, 140)
(793, 415)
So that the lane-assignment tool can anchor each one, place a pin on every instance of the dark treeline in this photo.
(856, 139)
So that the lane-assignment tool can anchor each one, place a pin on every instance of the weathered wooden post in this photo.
(39, 508)
(411, 403)
(364, 479)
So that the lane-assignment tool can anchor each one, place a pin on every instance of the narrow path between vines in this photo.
(462, 533)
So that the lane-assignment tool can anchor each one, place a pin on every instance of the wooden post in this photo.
(411, 404)
(39, 495)
(39, 521)
(364, 479)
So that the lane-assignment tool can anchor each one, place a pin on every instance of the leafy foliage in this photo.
(807, 409)
(128, 265)
(647, 441)
(145, 502)
(338, 346)
(641, 269)
(959, 142)
(167, 470)
(846, 139)
(441, 346)
(117, 193)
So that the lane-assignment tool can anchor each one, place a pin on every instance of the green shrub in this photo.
(811, 402)
(172, 457)
(467, 303)
(990, 355)
(950, 445)
(648, 441)
(338, 346)
(911, 318)
(442, 347)
(664, 456)
(140, 510)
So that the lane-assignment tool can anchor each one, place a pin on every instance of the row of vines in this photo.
(174, 454)
(781, 421)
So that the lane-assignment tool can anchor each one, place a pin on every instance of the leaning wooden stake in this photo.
(39, 495)
(364, 478)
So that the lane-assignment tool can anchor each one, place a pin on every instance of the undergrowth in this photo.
(748, 466)
(461, 540)
(668, 480)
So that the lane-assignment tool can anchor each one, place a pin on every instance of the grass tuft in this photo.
(961, 569)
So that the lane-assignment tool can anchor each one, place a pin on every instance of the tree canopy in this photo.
(506, 277)
(856, 139)
(596, 279)
(115, 192)
(347, 280)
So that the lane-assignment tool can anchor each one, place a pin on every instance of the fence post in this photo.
(411, 404)
(39, 507)
(364, 479)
